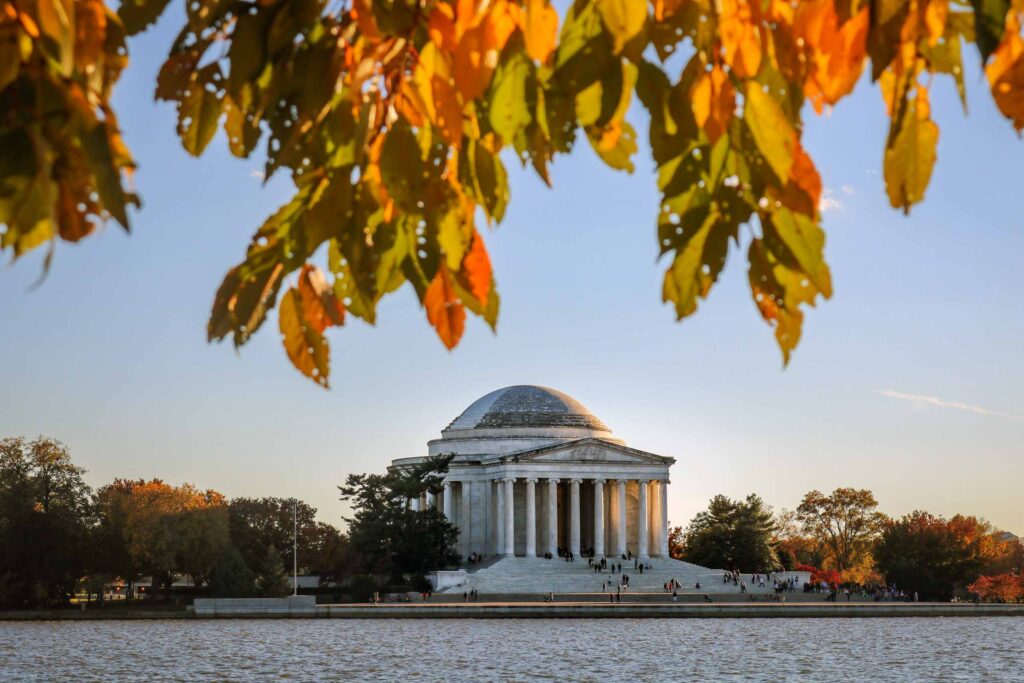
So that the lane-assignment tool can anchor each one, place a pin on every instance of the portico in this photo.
(534, 472)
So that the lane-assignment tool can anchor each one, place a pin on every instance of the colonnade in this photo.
(651, 514)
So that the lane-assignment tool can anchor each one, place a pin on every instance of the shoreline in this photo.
(565, 610)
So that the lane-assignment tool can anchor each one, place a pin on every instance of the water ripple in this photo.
(601, 650)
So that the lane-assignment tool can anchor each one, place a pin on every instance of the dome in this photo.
(526, 406)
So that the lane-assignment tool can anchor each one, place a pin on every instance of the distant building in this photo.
(535, 471)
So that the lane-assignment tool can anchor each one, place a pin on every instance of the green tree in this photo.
(733, 534)
(395, 121)
(934, 556)
(385, 533)
(201, 536)
(230, 576)
(844, 524)
(257, 523)
(45, 518)
(271, 579)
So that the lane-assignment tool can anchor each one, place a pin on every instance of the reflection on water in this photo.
(607, 650)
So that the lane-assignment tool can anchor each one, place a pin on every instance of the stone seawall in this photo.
(534, 610)
(662, 611)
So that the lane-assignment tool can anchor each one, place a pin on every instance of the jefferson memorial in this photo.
(534, 471)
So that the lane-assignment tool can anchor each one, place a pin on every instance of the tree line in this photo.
(59, 537)
(844, 540)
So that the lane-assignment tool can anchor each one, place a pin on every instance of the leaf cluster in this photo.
(392, 118)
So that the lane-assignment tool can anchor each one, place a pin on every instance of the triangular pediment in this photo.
(588, 451)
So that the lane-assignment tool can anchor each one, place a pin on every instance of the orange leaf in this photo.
(935, 19)
(479, 48)
(740, 37)
(1005, 74)
(835, 55)
(441, 27)
(540, 29)
(362, 10)
(90, 31)
(803, 190)
(713, 100)
(476, 269)
(320, 307)
(444, 311)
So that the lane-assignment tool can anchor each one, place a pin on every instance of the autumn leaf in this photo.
(740, 37)
(509, 107)
(911, 155)
(434, 95)
(771, 130)
(476, 270)
(989, 23)
(623, 18)
(394, 120)
(540, 29)
(444, 311)
(1006, 77)
(306, 348)
(713, 100)
(320, 307)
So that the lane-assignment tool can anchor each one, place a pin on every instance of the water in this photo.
(606, 650)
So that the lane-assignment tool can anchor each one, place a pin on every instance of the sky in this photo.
(908, 382)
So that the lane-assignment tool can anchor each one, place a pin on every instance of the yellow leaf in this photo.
(540, 29)
(307, 350)
(772, 131)
(911, 155)
(623, 18)
(435, 97)
(615, 144)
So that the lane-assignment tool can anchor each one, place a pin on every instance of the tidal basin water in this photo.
(606, 650)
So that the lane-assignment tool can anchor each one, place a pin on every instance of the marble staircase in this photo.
(538, 575)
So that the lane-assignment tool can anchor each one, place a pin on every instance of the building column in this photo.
(664, 518)
(599, 517)
(499, 520)
(620, 522)
(553, 517)
(574, 516)
(464, 523)
(446, 500)
(414, 504)
(431, 500)
(531, 518)
(641, 522)
(510, 526)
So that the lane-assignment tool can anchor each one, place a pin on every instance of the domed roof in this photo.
(526, 405)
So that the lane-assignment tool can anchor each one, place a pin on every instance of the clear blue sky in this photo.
(109, 353)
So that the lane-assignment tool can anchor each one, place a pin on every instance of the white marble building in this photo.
(535, 471)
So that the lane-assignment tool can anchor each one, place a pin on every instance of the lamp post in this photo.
(295, 548)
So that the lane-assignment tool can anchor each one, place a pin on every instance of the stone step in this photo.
(522, 575)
